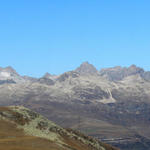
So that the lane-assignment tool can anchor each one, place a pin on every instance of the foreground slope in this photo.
(23, 129)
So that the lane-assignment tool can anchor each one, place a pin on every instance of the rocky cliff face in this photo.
(111, 104)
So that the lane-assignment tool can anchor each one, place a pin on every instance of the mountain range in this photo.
(112, 104)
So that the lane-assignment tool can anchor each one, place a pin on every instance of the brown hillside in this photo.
(14, 137)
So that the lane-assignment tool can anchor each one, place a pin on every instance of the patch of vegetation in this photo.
(34, 127)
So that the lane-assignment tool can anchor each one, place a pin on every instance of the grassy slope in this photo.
(14, 138)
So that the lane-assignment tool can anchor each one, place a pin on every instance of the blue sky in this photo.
(38, 36)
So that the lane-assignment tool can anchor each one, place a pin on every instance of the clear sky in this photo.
(38, 36)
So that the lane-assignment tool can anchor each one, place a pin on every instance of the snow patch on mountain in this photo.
(5, 74)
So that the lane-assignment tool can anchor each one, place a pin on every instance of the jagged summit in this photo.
(118, 73)
(67, 75)
(86, 68)
(9, 75)
(9, 70)
(47, 75)
(133, 69)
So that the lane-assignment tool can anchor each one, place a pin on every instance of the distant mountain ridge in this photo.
(113, 74)
(119, 73)
(112, 104)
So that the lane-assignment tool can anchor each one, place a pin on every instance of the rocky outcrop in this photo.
(119, 73)
(86, 69)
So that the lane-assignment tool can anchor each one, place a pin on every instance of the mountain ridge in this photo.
(113, 74)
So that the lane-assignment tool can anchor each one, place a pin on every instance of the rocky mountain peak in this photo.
(118, 73)
(67, 75)
(86, 68)
(50, 76)
(134, 69)
(47, 75)
(10, 70)
(8, 73)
